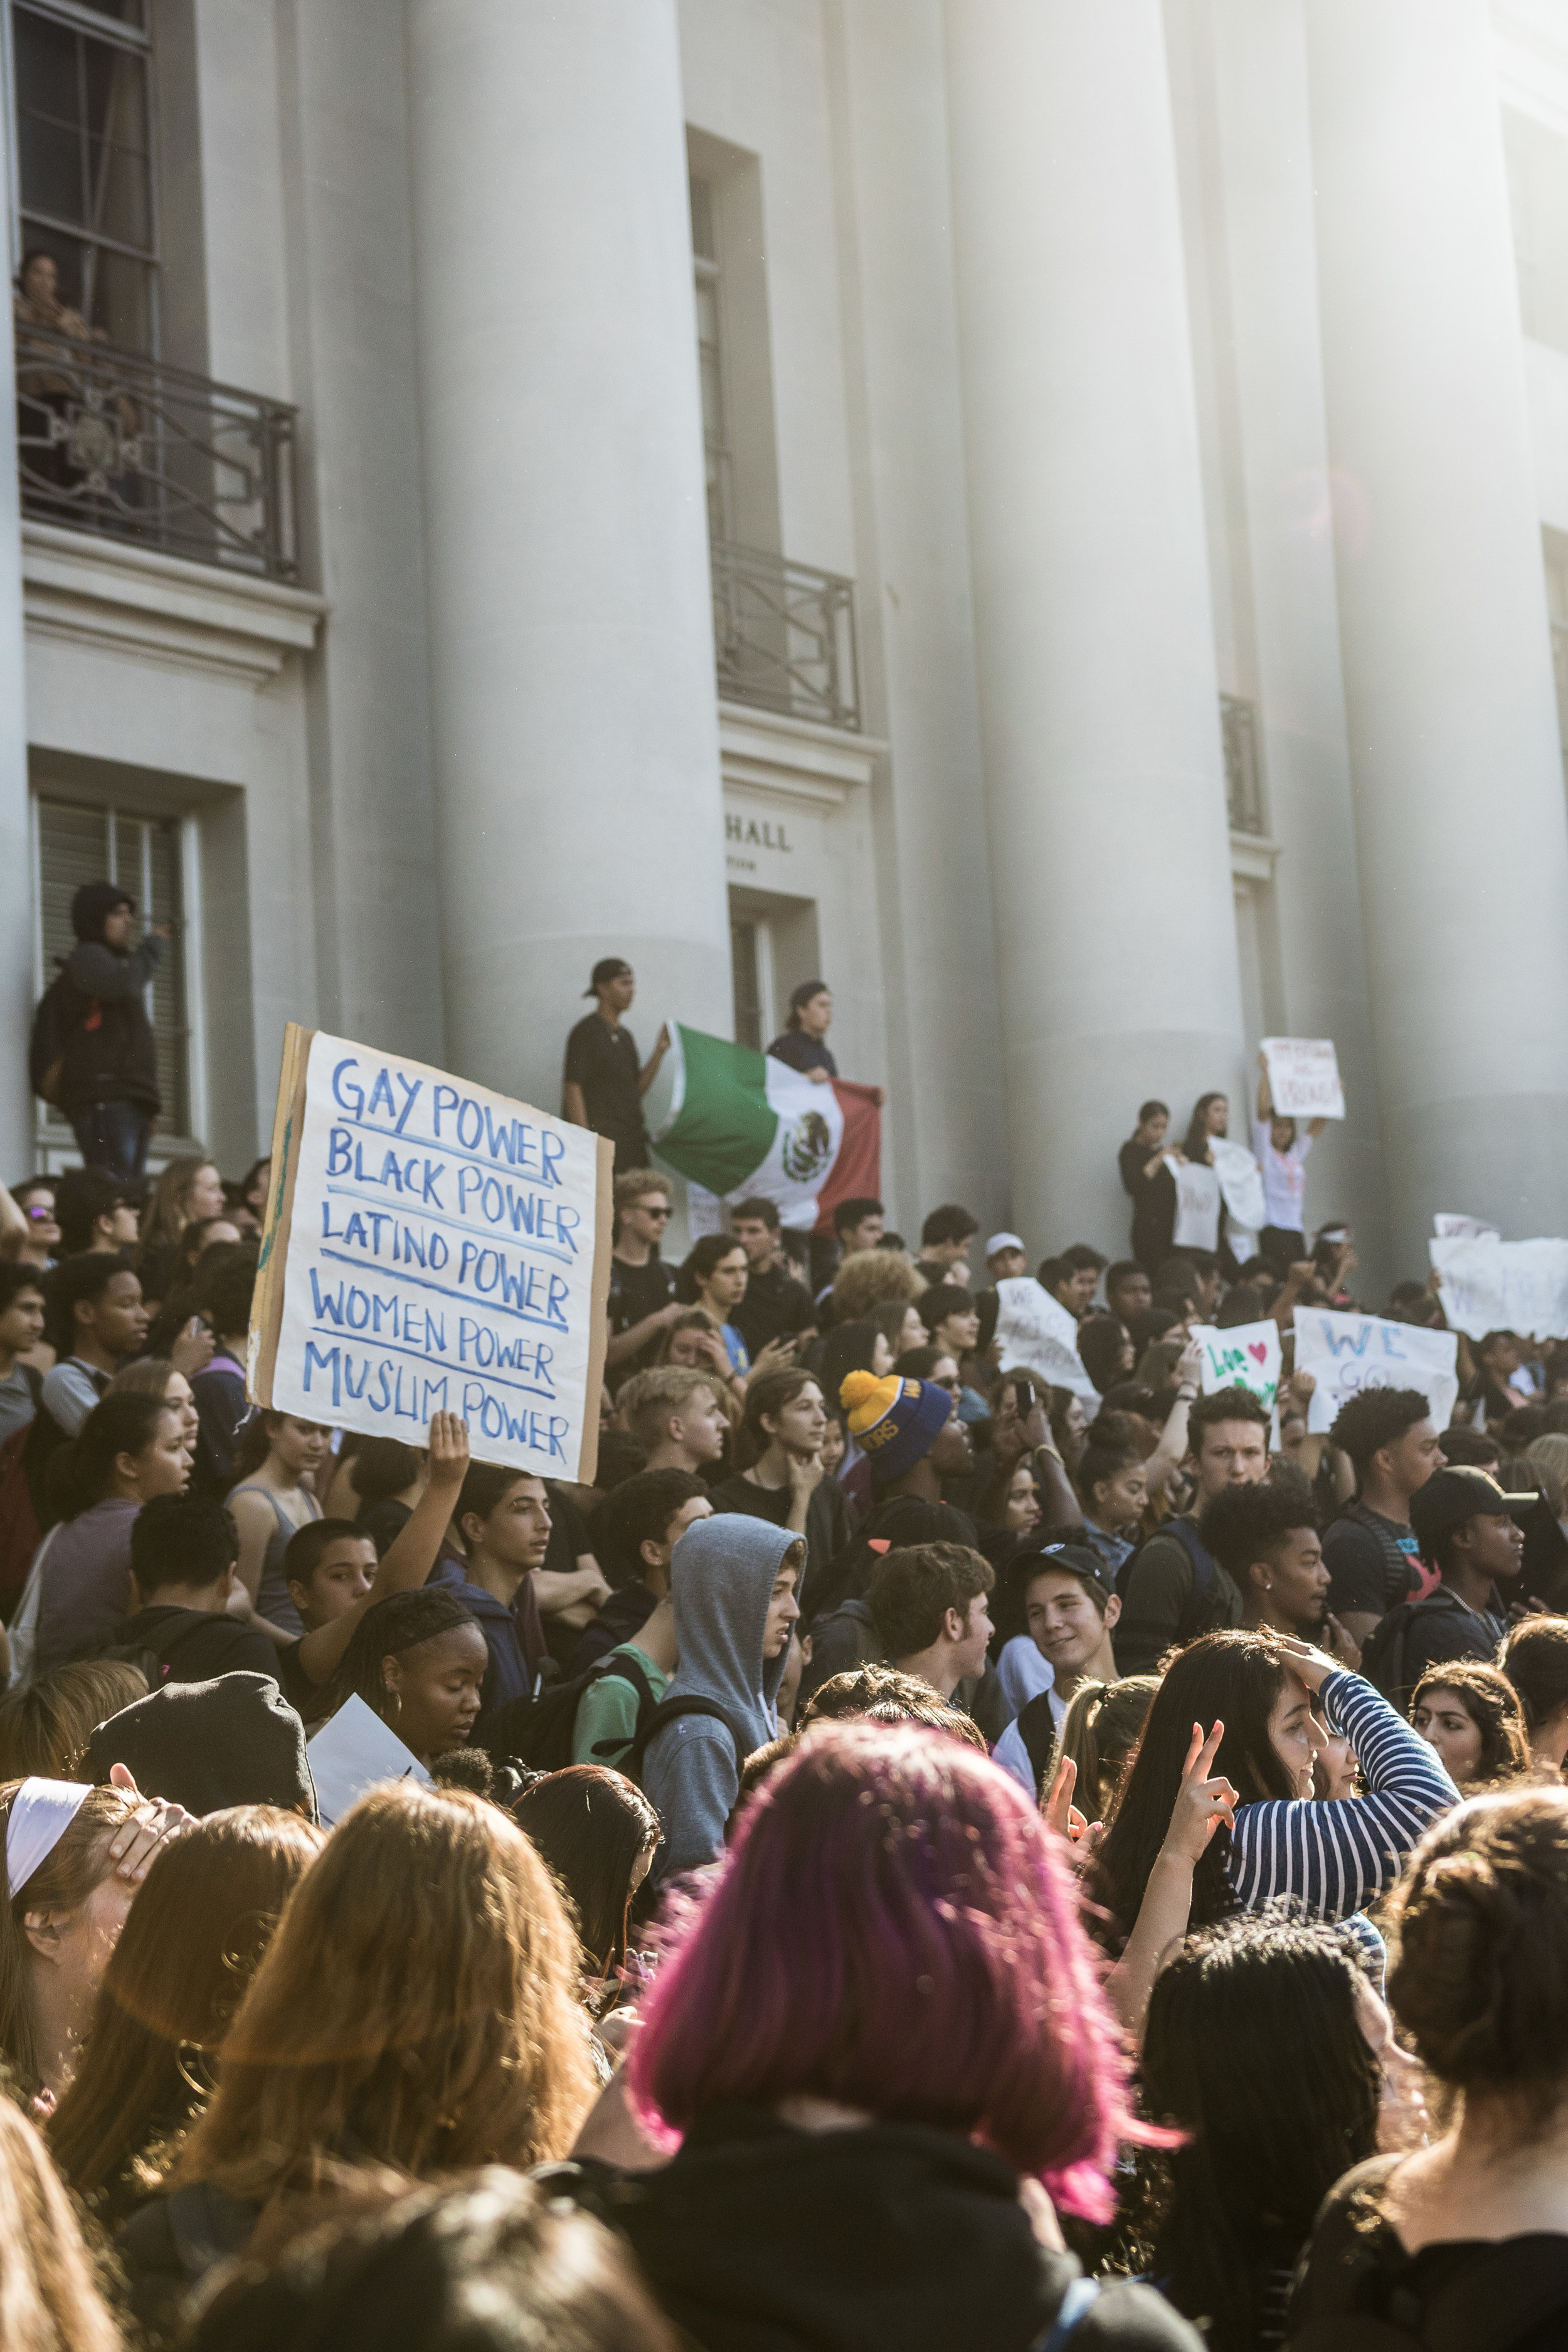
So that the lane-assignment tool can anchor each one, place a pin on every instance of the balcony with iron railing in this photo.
(126, 448)
(783, 636)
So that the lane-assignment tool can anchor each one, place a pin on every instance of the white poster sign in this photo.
(1241, 1182)
(1246, 1357)
(1491, 1285)
(431, 1247)
(1197, 1203)
(1463, 1229)
(1304, 1077)
(353, 1751)
(1036, 1331)
(1348, 1353)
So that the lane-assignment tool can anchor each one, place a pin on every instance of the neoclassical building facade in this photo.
(1053, 517)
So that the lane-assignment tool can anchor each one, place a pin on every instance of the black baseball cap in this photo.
(609, 968)
(1073, 1559)
(1461, 1492)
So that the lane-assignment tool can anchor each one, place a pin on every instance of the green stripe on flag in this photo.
(725, 1126)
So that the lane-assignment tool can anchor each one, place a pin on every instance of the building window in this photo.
(81, 76)
(711, 361)
(151, 858)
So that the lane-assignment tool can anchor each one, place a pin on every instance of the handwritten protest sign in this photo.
(1241, 1182)
(1036, 1330)
(431, 1247)
(1304, 1077)
(1197, 1203)
(1463, 1229)
(1492, 1286)
(1246, 1357)
(1348, 1353)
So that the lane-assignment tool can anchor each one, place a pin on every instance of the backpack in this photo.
(57, 1013)
(670, 1711)
(1387, 1647)
(538, 1731)
(19, 1529)
(1197, 1551)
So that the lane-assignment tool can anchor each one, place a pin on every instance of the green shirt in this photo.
(607, 1709)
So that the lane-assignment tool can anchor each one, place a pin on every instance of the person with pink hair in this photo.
(882, 2043)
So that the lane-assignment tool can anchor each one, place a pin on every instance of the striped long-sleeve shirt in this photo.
(1333, 1857)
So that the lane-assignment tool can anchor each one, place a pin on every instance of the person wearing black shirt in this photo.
(643, 1304)
(1150, 1183)
(184, 1550)
(776, 1307)
(803, 1042)
(1372, 1549)
(604, 1082)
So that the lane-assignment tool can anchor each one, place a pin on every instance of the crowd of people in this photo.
(911, 1855)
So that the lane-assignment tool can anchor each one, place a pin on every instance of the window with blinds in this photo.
(145, 855)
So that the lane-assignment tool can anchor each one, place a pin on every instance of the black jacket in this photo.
(894, 2237)
(109, 1053)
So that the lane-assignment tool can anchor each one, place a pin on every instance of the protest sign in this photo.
(1463, 1229)
(353, 1751)
(1036, 1330)
(431, 1247)
(1241, 1182)
(1492, 1286)
(1246, 1357)
(1304, 1077)
(1348, 1353)
(1199, 1197)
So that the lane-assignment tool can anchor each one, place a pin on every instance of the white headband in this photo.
(41, 1812)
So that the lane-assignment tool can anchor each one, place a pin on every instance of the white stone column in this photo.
(16, 976)
(1459, 772)
(1267, 342)
(578, 803)
(1116, 938)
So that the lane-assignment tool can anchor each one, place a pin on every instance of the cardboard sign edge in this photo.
(599, 1337)
(267, 1308)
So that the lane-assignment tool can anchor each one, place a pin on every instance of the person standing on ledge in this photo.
(604, 1083)
(803, 1041)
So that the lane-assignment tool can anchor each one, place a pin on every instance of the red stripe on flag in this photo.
(857, 1173)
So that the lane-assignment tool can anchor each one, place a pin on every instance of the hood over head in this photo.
(721, 1576)
(91, 903)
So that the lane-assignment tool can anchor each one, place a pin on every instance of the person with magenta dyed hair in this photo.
(883, 2044)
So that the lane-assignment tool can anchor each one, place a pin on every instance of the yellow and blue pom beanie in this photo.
(894, 1423)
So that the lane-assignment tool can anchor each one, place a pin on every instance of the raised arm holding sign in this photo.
(431, 1247)
(1304, 1077)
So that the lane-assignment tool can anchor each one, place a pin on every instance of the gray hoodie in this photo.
(722, 1575)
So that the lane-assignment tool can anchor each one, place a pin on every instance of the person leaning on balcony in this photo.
(109, 1080)
(37, 306)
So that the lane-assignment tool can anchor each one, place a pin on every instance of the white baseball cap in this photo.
(1005, 1241)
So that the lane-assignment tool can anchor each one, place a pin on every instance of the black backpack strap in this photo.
(628, 1669)
(1038, 1730)
(1197, 1551)
(671, 1710)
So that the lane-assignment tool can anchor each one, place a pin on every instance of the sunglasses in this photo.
(43, 1214)
(654, 1213)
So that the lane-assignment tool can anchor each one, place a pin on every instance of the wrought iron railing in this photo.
(127, 449)
(784, 635)
(1243, 784)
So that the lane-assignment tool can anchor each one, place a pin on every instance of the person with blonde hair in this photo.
(50, 2300)
(676, 1417)
(74, 1859)
(867, 1279)
(173, 1985)
(189, 1190)
(416, 2009)
(45, 1727)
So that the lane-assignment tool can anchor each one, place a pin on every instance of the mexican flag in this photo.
(741, 1122)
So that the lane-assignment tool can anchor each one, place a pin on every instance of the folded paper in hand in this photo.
(353, 1751)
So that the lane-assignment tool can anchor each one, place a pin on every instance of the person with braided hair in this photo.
(1466, 2241)
(419, 1660)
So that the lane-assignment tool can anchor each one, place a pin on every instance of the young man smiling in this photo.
(1070, 1610)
